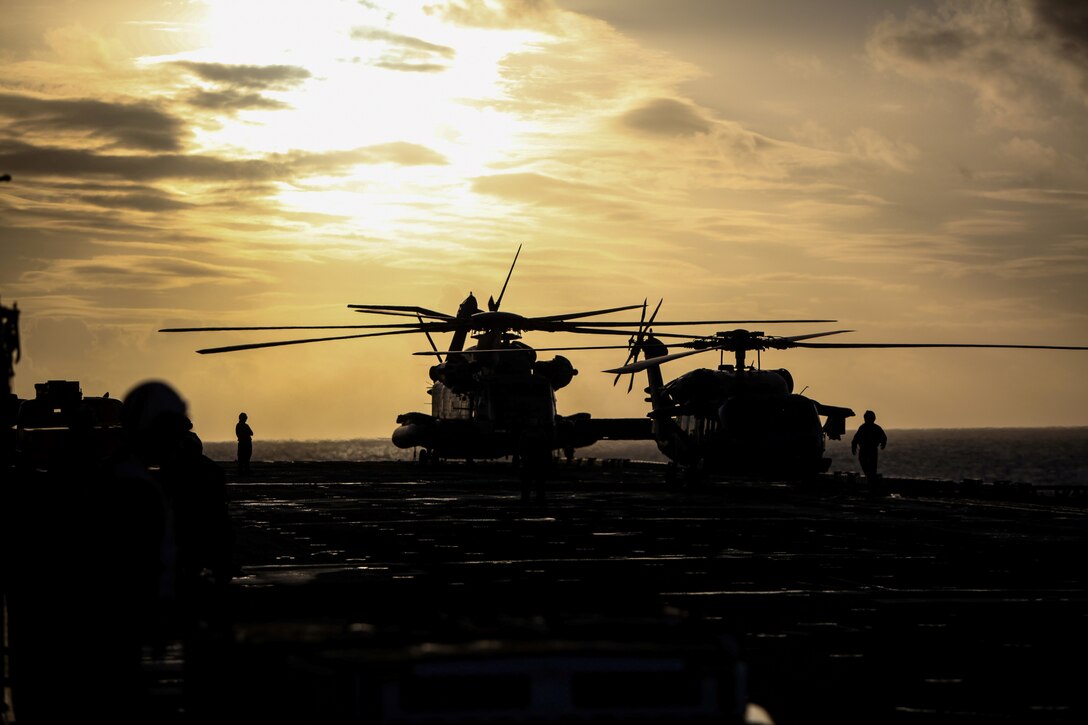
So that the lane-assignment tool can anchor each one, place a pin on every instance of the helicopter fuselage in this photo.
(489, 403)
(746, 421)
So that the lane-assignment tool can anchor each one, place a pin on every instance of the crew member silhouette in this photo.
(869, 438)
(245, 443)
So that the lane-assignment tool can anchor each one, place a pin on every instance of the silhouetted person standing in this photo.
(869, 438)
(245, 443)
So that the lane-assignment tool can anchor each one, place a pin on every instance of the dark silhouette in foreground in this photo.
(9, 355)
(869, 438)
(93, 566)
(245, 444)
(116, 543)
(195, 487)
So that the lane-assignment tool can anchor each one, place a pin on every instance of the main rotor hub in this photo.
(492, 321)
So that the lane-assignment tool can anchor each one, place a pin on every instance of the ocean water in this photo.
(1042, 456)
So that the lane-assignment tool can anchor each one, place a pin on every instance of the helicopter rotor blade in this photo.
(642, 330)
(402, 310)
(794, 338)
(653, 316)
(631, 344)
(580, 315)
(445, 323)
(650, 362)
(641, 334)
(670, 323)
(627, 333)
(564, 324)
(506, 350)
(281, 343)
(251, 328)
(634, 342)
(737, 340)
(857, 345)
(782, 343)
(635, 367)
(401, 314)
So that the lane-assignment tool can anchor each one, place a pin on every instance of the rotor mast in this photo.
(739, 342)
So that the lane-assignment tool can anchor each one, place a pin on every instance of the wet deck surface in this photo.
(932, 603)
(848, 607)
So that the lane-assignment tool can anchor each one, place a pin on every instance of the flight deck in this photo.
(928, 602)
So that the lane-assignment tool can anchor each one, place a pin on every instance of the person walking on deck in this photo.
(869, 438)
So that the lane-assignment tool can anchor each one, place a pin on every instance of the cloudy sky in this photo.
(916, 170)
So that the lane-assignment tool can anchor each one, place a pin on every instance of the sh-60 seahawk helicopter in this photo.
(742, 419)
(494, 399)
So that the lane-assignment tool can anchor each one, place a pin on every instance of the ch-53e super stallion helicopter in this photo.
(742, 419)
(494, 399)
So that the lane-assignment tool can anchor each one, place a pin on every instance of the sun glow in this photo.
(362, 89)
(371, 76)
